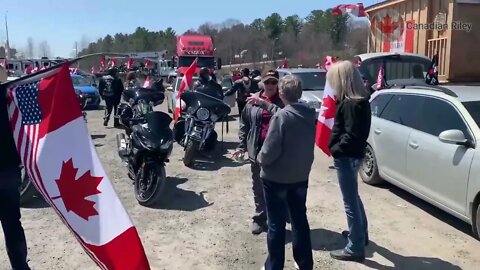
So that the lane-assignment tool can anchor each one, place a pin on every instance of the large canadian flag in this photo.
(185, 84)
(58, 154)
(326, 119)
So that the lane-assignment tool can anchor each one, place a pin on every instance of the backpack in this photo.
(108, 91)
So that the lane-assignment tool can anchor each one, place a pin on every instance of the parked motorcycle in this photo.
(196, 131)
(146, 144)
(27, 188)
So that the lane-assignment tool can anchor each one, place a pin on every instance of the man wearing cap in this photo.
(10, 180)
(254, 123)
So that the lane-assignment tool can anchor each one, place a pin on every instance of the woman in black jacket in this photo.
(347, 145)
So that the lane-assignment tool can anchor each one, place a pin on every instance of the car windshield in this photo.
(473, 107)
(186, 61)
(396, 68)
(81, 81)
(312, 81)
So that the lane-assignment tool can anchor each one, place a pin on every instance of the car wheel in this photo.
(476, 220)
(369, 169)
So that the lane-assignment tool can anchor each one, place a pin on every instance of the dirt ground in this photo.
(204, 220)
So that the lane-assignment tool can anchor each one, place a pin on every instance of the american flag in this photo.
(25, 121)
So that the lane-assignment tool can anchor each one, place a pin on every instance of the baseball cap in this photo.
(271, 75)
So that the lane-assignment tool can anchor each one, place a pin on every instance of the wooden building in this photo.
(449, 28)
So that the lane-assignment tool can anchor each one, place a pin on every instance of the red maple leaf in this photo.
(329, 104)
(74, 191)
(388, 25)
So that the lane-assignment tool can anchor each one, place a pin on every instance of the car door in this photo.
(389, 134)
(438, 170)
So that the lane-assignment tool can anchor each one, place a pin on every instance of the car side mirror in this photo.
(454, 136)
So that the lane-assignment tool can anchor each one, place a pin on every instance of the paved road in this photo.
(203, 222)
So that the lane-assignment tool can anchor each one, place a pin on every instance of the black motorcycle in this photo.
(27, 188)
(146, 144)
(196, 131)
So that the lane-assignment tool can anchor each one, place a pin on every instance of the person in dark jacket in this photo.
(10, 180)
(207, 85)
(286, 159)
(254, 124)
(243, 87)
(111, 89)
(347, 145)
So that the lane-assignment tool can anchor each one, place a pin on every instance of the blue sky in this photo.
(62, 22)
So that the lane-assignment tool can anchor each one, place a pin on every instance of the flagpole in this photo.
(7, 45)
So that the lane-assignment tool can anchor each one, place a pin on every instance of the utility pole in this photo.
(7, 45)
(76, 49)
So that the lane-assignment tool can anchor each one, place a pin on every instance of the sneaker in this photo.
(257, 228)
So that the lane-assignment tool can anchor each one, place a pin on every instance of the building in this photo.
(449, 28)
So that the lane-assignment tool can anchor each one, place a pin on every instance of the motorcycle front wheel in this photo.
(27, 189)
(190, 152)
(149, 184)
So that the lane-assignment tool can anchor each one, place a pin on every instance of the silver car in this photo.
(425, 140)
(313, 83)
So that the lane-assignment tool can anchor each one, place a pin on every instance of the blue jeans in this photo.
(281, 199)
(347, 172)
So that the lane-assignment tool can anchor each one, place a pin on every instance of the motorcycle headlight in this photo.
(203, 114)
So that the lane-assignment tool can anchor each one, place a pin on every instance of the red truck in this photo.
(190, 47)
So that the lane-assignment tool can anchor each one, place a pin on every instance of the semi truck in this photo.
(191, 47)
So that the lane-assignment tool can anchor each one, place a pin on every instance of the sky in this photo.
(63, 22)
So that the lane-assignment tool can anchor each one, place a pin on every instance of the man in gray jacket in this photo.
(286, 159)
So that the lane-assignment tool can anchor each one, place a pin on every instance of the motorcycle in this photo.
(146, 144)
(196, 131)
(27, 188)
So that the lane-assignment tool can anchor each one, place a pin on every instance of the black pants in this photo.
(111, 105)
(12, 227)
(241, 105)
(281, 199)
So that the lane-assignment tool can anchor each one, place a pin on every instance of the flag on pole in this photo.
(113, 63)
(148, 63)
(357, 10)
(284, 63)
(326, 119)
(130, 63)
(59, 156)
(102, 62)
(147, 83)
(380, 78)
(186, 83)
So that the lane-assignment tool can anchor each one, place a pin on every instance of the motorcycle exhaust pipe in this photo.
(122, 145)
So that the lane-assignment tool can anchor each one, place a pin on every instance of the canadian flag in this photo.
(328, 61)
(113, 63)
(147, 83)
(186, 83)
(284, 64)
(148, 63)
(357, 10)
(57, 151)
(102, 62)
(130, 63)
(380, 81)
(326, 119)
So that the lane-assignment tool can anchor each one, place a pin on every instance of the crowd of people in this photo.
(272, 121)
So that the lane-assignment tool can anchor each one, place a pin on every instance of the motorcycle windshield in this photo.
(158, 123)
(196, 100)
(153, 95)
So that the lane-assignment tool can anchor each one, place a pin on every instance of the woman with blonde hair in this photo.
(347, 145)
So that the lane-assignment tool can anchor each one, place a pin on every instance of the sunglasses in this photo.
(272, 82)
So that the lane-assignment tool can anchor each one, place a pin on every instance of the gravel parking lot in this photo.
(203, 222)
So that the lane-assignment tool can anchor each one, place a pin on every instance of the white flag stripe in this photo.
(56, 149)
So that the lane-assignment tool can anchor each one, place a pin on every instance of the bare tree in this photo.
(44, 49)
(30, 53)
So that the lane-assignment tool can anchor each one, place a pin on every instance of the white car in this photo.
(425, 140)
